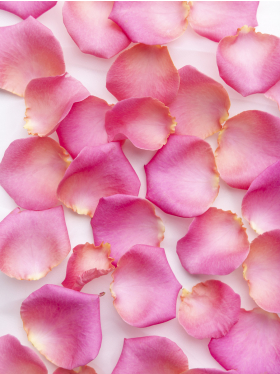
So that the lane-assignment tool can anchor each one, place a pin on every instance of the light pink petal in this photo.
(63, 324)
(144, 287)
(248, 144)
(31, 170)
(28, 50)
(218, 19)
(80, 370)
(216, 243)
(24, 9)
(248, 61)
(18, 359)
(142, 71)
(49, 100)
(124, 221)
(182, 178)
(252, 346)
(274, 93)
(97, 172)
(209, 371)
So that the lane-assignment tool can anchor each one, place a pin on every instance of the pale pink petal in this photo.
(216, 243)
(97, 172)
(28, 50)
(18, 359)
(209, 371)
(63, 324)
(252, 346)
(88, 25)
(218, 19)
(31, 170)
(49, 100)
(144, 287)
(274, 93)
(24, 9)
(142, 71)
(182, 178)
(80, 370)
(249, 61)
(248, 144)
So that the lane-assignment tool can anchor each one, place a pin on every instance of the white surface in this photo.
(91, 71)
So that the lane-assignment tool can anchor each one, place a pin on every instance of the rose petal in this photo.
(84, 125)
(150, 355)
(248, 144)
(63, 324)
(188, 161)
(252, 346)
(144, 287)
(97, 172)
(274, 93)
(216, 243)
(28, 50)
(208, 371)
(24, 9)
(16, 358)
(88, 25)
(143, 71)
(49, 100)
(80, 370)
(31, 170)
(248, 61)
(218, 19)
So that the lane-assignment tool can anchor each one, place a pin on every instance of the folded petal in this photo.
(97, 172)
(144, 70)
(49, 100)
(216, 243)
(188, 161)
(63, 324)
(248, 144)
(24, 9)
(252, 346)
(151, 22)
(28, 50)
(144, 287)
(80, 370)
(31, 170)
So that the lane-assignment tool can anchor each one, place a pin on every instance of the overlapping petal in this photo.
(248, 61)
(31, 170)
(28, 50)
(24, 9)
(216, 243)
(63, 324)
(97, 172)
(182, 178)
(80, 370)
(144, 287)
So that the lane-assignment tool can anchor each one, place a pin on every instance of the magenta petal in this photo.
(207, 371)
(80, 370)
(24, 9)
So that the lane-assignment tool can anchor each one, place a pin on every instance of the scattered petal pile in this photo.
(24, 9)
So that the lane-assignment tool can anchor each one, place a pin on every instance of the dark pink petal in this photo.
(201, 105)
(151, 22)
(248, 144)
(84, 125)
(124, 221)
(252, 346)
(28, 50)
(88, 25)
(18, 359)
(31, 170)
(49, 100)
(151, 355)
(24, 9)
(216, 243)
(63, 324)
(144, 287)
(80, 370)
(182, 178)
(142, 71)
(209, 371)
(97, 172)
(248, 61)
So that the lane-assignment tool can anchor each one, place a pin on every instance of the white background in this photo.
(91, 71)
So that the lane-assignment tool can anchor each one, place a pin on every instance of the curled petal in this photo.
(80, 370)
(28, 50)
(216, 243)
(151, 22)
(208, 371)
(188, 161)
(31, 170)
(97, 172)
(248, 61)
(49, 100)
(142, 71)
(144, 287)
(248, 144)
(63, 324)
(24, 9)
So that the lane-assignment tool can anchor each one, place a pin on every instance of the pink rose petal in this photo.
(80, 370)
(24, 9)
(208, 371)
